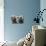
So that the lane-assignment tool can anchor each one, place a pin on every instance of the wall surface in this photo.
(1, 20)
(27, 8)
(43, 6)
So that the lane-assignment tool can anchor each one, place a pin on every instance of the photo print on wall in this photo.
(17, 19)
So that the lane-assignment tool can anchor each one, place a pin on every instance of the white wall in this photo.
(43, 6)
(1, 20)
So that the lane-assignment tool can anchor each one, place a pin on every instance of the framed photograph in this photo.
(17, 19)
